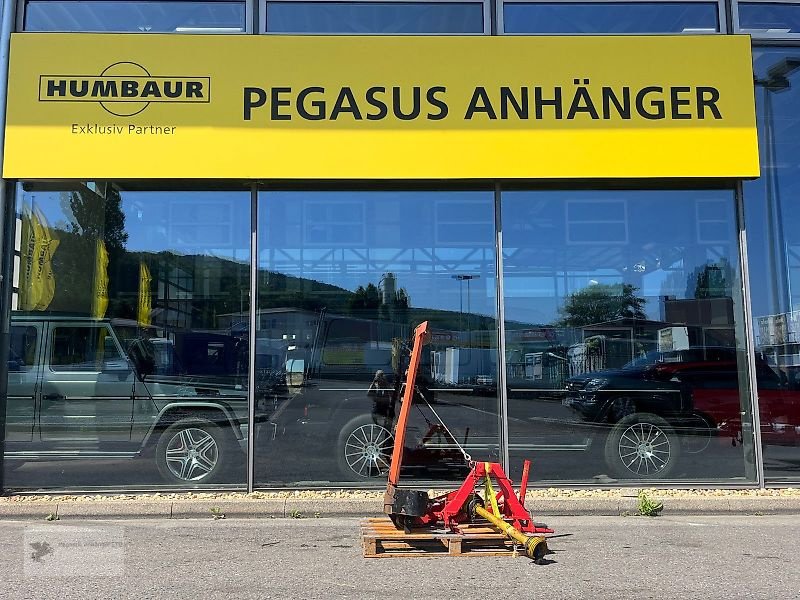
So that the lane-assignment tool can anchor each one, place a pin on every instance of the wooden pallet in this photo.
(380, 539)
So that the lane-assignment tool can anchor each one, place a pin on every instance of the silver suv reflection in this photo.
(74, 392)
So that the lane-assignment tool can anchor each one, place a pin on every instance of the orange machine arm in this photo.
(421, 337)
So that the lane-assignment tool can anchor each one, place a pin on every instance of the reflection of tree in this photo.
(90, 217)
(366, 300)
(711, 280)
(370, 303)
(600, 303)
(96, 217)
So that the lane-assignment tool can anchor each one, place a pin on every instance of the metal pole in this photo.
(772, 241)
(469, 313)
(460, 303)
(7, 226)
(502, 388)
(251, 340)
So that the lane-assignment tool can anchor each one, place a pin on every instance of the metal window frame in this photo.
(8, 12)
(737, 195)
(438, 221)
(502, 374)
(749, 335)
(251, 340)
(248, 20)
(721, 15)
(699, 222)
(758, 42)
(625, 222)
(487, 13)
(763, 35)
(308, 211)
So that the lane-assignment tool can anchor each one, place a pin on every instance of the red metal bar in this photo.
(523, 485)
(421, 337)
(453, 510)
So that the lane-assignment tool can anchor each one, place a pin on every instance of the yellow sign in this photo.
(122, 106)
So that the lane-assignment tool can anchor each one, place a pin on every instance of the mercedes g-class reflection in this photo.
(76, 392)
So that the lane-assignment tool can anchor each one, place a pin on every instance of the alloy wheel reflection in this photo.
(644, 449)
(192, 454)
(368, 450)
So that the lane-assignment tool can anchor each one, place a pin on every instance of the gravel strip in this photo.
(322, 495)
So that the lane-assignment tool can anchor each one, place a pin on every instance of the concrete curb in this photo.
(354, 507)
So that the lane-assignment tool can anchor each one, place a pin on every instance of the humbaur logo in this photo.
(124, 89)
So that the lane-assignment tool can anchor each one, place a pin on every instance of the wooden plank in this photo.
(428, 555)
(455, 547)
(381, 539)
(431, 536)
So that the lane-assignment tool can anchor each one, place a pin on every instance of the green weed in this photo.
(648, 507)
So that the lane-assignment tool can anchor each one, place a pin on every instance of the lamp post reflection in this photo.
(776, 81)
(461, 279)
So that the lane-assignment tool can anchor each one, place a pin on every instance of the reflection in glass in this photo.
(375, 17)
(126, 368)
(344, 277)
(624, 349)
(216, 16)
(610, 17)
(769, 18)
(773, 219)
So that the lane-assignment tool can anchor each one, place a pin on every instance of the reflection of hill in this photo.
(214, 285)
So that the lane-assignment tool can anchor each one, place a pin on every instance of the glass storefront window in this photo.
(610, 17)
(769, 18)
(375, 17)
(773, 222)
(146, 16)
(624, 339)
(128, 364)
(344, 277)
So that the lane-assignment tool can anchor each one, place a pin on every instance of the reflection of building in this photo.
(464, 365)
(779, 338)
(710, 321)
(774, 330)
(174, 294)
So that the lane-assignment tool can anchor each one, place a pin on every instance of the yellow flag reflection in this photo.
(145, 300)
(100, 289)
(37, 285)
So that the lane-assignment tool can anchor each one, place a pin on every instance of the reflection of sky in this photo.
(773, 17)
(375, 17)
(610, 17)
(134, 16)
(211, 223)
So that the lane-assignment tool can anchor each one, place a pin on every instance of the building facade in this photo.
(223, 220)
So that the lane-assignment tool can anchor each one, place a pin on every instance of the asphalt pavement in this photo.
(594, 557)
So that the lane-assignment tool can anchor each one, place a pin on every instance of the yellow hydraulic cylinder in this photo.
(535, 545)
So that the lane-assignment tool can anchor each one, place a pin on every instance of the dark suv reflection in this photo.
(667, 403)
